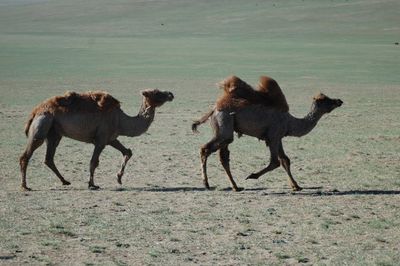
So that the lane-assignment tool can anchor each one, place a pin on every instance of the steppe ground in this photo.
(349, 211)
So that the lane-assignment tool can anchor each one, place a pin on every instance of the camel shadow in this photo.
(163, 189)
(307, 191)
(335, 192)
(263, 191)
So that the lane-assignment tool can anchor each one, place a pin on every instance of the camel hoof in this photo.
(207, 186)
(119, 178)
(252, 176)
(297, 188)
(66, 183)
(25, 188)
(238, 189)
(94, 187)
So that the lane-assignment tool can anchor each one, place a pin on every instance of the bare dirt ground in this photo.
(348, 211)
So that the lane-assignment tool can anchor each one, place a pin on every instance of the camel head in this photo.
(156, 98)
(326, 104)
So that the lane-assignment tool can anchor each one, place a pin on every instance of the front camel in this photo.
(265, 123)
(92, 117)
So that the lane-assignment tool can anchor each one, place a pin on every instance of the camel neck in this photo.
(137, 125)
(299, 127)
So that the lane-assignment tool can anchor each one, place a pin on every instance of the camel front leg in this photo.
(273, 163)
(285, 162)
(127, 153)
(94, 162)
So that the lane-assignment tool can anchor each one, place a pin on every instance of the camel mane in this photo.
(238, 94)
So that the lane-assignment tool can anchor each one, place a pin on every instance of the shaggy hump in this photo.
(238, 94)
(272, 90)
(92, 101)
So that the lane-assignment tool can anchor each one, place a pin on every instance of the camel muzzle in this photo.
(339, 102)
(170, 96)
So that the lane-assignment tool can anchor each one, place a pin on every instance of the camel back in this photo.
(238, 94)
(92, 101)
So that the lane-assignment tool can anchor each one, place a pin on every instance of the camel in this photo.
(92, 117)
(265, 123)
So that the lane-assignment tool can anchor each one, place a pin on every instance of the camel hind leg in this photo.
(224, 158)
(206, 151)
(52, 141)
(37, 133)
(222, 123)
(33, 144)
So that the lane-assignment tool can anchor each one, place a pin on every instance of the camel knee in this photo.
(274, 163)
(128, 153)
(204, 153)
(207, 149)
(23, 160)
(49, 162)
(284, 160)
(213, 146)
(227, 142)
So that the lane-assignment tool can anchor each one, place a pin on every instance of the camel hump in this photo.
(268, 85)
(234, 85)
(271, 88)
(104, 101)
(92, 101)
(238, 94)
(66, 99)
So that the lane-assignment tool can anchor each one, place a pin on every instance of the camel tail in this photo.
(28, 124)
(202, 120)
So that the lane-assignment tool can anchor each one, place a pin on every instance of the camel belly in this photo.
(254, 121)
(251, 129)
(83, 128)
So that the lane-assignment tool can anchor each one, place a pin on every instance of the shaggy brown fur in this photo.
(238, 94)
(92, 101)
(273, 92)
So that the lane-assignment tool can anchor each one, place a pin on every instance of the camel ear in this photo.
(231, 89)
(319, 96)
(145, 93)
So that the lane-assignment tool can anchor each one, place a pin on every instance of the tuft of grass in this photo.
(51, 243)
(122, 245)
(282, 256)
(59, 229)
(303, 260)
(97, 249)
(381, 224)
(154, 253)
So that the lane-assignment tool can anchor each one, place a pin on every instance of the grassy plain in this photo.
(349, 211)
